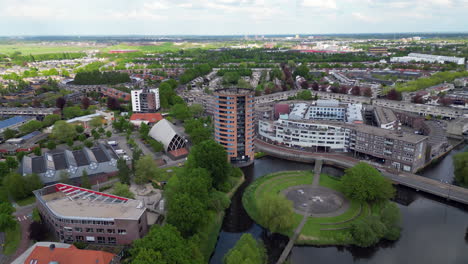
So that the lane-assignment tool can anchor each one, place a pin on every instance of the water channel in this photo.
(433, 229)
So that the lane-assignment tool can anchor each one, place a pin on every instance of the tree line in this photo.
(97, 77)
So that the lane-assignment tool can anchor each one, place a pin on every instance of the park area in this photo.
(330, 214)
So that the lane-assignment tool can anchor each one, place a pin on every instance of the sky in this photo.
(229, 17)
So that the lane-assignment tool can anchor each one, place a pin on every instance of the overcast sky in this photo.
(228, 17)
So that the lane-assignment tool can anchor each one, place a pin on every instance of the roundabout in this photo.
(316, 201)
(325, 213)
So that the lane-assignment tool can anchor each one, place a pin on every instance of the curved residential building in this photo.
(234, 123)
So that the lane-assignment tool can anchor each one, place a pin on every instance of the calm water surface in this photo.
(433, 230)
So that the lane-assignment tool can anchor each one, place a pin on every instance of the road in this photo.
(419, 183)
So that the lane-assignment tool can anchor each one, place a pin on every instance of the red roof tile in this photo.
(71, 255)
(150, 117)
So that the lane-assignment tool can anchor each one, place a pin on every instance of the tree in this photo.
(391, 218)
(72, 111)
(60, 102)
(394, 95)
(123, 171)
(79, 129)
(7, 221)
(113, 104)
(85, 102)
(367, 231)
(365, 183)
(30, 126)
(37, 151)
(315, 86)
(356, 91)
(417, 99)
(460, 163)
(246, 250)
(180, 111)
(367, 92)
(167, 242)
(123, 190)
(96, 122)
(197, 130)
(88, 143)
(11, 162)
(9, 133)
(14, 183)
(145, 170)
(38, 231)
(85, 181)
(64, 177)
(4, 170)
(50, 119)
(63, 131)
(185, 213)
(197, 110)
(445, 101)
(304, 95)
(51, 145)
(108, 134)
(276, 213)
(211, 156)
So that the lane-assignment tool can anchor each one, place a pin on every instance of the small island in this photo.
(324, 210)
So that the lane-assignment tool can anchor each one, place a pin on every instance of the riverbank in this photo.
(320, 228)
(214, 224)
(424, 217)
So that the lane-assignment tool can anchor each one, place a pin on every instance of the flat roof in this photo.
(384, 115)
(234, 91)
(76, 202)
(13, 121)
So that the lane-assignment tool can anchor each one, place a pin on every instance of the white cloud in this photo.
(323, 4)
(363, 17)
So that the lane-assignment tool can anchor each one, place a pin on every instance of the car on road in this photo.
(300, 191)
(126, 157)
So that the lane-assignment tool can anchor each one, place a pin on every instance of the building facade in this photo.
(80, 215)
(145, 100)
(234, 123)
(405, 152)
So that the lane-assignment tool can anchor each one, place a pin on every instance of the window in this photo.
(101, 240)
(111, 231)
(79, 238)
(122, 231)
(68, 229)
(78, 229)
(100, 230)
(111, 240)
(89, 230)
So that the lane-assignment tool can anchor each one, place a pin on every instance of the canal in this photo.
(433, 229)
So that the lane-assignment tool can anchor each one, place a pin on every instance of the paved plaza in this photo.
(316, 201)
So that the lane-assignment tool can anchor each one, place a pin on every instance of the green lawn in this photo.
(27, 201)
(33, 48)
(314, 232)
(12, 240)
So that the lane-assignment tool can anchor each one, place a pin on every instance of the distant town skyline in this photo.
(229, 17)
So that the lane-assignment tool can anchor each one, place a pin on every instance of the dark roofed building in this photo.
(99, 162)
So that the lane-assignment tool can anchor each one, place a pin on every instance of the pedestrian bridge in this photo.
(417, 182)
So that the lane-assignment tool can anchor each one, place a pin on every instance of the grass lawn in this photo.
(27, 201)
(33, 48)
(315, 230)
(12, 240)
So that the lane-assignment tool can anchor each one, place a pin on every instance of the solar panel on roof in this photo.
(31, 135)
(12, 121)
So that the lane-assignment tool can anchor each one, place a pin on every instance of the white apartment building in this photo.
(145, 100)
(304, 134)
(428, 58)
